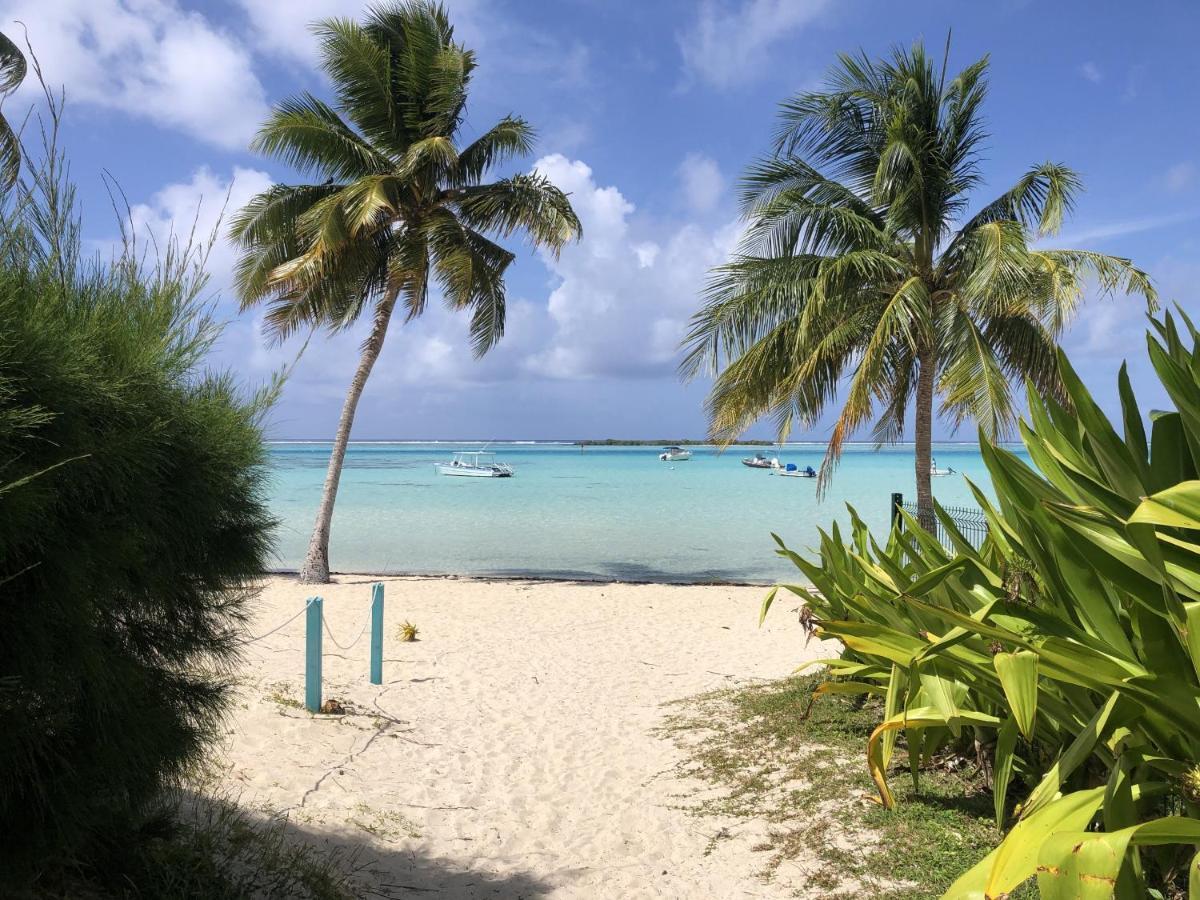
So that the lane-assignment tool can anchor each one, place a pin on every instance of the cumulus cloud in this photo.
(1091, 72)
(201, 207)
(702, 182)
(729, 43)
(149, 59)
(290, 36)
(624, 298)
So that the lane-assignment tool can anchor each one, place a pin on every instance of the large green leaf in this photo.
(1006, 742)
(1176, 507)
(1015, 860)
(1075, 865)
(1018, 673)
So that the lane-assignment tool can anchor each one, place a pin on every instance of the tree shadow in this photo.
(370, 867)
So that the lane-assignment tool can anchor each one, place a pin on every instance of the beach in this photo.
(513, 749)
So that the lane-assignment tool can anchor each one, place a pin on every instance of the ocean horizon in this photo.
(599, 512)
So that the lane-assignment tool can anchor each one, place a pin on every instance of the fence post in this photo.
(897, 503)
(377, 633)
(312, 656)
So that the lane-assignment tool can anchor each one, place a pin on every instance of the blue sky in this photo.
(648, 112)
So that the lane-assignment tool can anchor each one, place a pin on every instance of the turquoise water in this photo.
(608, 512)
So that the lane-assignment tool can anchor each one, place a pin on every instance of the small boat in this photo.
(675, 454)
(761, 461)
(791, 470)
(475, 464)
(936, 472)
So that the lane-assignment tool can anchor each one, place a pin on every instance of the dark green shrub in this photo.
(131, 521)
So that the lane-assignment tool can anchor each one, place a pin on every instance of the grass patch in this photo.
(205, 849)
(384, 824)
(808, 779)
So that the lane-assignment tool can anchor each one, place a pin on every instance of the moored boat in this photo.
(791, 470)
(936, 472)
(475, 464)
(761, 461)
(675, 454)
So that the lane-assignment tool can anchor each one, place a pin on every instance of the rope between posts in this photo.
(275, 629)
(325, 622)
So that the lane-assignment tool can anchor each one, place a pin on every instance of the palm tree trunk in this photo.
(924, 438)
(316, 561)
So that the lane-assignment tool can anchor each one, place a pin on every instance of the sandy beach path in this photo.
(511, 751)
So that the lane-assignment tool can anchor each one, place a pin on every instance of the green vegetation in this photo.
(132, 485)
(394, 205)
(862, 263)
(800, 774)
(206, 849)
(1063, 653)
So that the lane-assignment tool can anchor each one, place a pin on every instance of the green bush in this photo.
(132, 518)
(1065, 654)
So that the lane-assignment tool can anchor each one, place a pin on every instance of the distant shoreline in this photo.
(540, 578)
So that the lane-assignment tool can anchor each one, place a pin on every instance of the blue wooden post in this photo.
(377, 633)
(312, 656)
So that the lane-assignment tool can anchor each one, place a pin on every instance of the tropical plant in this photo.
(132, 522)
(396, 202)
(861, 264)
(1064, 652)
(12, 73)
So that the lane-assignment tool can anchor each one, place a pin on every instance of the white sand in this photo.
(511, 751)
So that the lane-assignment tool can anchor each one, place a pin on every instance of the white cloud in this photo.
(729, 44)
(1180, 177)
(200, 206)
(1118, 229)
(285, 29)
(702, 182)
(147, 58)
(624, 299)
(1091, 72)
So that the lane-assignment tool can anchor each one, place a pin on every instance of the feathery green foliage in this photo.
(1064, 651)
(862, 272)
(132, 518)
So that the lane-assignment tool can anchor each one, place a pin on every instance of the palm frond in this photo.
(531, 203)
(12, 73)
(308, 134)
(509, 138)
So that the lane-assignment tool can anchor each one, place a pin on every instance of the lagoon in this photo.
(600, 513)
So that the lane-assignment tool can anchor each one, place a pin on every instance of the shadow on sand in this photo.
(371, 868)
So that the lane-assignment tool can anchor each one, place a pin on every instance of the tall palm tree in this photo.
(861, 270)
(12, 73)
(395, 202)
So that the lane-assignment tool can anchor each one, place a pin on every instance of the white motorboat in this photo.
(761, 461)
(675, 454)
(791, 470)
(475, 464)
(936, 472)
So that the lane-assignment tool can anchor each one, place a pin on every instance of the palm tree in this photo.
(860, 269)
(12, 73)
(395, 203)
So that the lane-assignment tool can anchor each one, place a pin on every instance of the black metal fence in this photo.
(971, 523)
